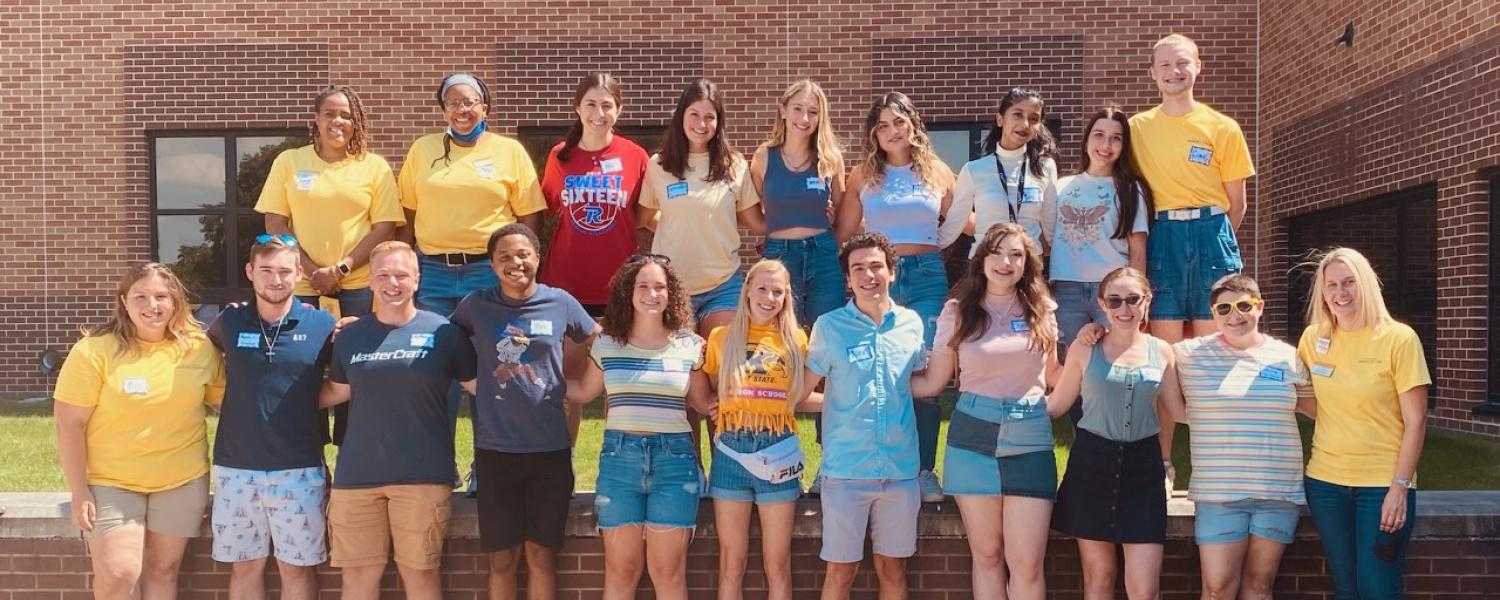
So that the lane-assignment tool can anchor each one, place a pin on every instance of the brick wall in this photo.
(1455, 554)
(84, 82)
(1410, 107)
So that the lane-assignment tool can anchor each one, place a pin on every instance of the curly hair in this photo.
(926, 164)
(619, 314)
(357, 142)
(1035, 299)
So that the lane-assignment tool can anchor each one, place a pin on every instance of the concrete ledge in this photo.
(1440, 515)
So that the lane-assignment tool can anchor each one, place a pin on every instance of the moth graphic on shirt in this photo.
(510, 347)
(1081, 225)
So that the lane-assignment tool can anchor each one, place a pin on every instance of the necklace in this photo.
(801, 165)
(271, 339)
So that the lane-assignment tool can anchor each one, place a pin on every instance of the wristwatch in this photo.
(343, 268)
(1406, 483)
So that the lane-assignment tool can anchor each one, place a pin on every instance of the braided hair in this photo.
(358, 141)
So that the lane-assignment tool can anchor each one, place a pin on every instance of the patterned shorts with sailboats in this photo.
(255, 510)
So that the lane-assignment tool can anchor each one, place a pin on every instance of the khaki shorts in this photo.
(178, 511)
(364, 522)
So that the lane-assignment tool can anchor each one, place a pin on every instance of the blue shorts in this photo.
(1031, 475)
(1229, 522)
(725, 296)
(727, 480)
(1184, 259)
(647, 480)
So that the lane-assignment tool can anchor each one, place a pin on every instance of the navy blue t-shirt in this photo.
(270, 418)
(398, 406)
(518, 406)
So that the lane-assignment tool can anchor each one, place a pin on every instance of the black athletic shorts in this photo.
(523, 497)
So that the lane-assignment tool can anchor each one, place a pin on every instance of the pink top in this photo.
(999, 363)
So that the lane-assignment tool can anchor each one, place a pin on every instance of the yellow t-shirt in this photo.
(1356, 376)
(699, 228)
(332, 206)
(147, 431)
(461, 201)
(765, 379)
(1187, 159)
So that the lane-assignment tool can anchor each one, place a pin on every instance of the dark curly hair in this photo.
(358, 141)
(619, 314)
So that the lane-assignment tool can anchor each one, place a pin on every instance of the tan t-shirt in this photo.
(698, 228)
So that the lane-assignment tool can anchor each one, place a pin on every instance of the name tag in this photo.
(860, 353)
(674, 365)
(1150, 375)
(485, 168)
(1322, 369)
(816, 183)
(541, 327)
(1270, 373)
(1030, 195)
(248, 340)
(421, 340)
(1019, 325)
(1323, 344)
(611, 165)
(135, 386)
(1200, 155)
(677, 190)
(305, 180)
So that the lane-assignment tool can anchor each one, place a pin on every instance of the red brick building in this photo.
(130, 132)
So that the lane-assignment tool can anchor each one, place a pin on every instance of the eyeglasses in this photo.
(462, 104)
(1243, 306)
(646, 256)
(265, 238)
(1113, 302)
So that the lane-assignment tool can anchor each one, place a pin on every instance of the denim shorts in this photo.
(817, 278)
(1229, 522)
(968, 473)
(725, 296)
(727, 480)
(647, 479)
(444, 286)
(887, 508)
(1184, 259)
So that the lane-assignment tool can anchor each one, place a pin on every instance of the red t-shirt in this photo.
(594, 195)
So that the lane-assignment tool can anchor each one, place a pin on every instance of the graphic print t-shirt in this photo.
(593, 195)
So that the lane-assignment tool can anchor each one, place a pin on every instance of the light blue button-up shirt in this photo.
(869, 426)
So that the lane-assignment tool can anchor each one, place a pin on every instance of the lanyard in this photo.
(1005, 189)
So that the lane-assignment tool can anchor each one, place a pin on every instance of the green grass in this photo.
(1450, 461)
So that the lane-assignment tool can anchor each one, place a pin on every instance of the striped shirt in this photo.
(645, 388)
(1241, 405)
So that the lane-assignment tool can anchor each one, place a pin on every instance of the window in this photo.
(1492, 406)
(203, 191)
(1404, 256)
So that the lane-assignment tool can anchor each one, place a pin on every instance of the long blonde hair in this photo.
(928, 167)
(1371, 306)
(180, 328)
(736, 337)
(825, 142)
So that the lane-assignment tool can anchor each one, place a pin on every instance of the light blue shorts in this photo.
(886, 507)
(1229, 522)
(724, 297)
(728, 480)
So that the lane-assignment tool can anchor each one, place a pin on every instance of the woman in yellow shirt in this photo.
(1370, 379)
(131, 435)
(459, 186)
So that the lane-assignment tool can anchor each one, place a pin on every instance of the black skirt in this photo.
(1113, 491)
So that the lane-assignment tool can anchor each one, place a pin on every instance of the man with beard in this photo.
(522, 447)
(268, 470)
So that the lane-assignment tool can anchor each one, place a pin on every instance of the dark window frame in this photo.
(1490, 407)
(237, 288)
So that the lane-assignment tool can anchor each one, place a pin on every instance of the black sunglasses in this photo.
(1113, 302)
(646, 256)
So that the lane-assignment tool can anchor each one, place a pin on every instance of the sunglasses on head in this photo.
(265, 238)
(1113, 302)
(1243, 306)
(646, 256)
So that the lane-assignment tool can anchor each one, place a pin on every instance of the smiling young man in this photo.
(868, 350)
(268, 470)
(522, 447)
(395, 469)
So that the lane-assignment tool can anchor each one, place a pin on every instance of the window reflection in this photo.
(189, 172)
(255, 157)
(193, 245)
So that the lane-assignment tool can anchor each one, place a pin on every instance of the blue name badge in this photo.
(1019, 325)
(816, 183)
(248, 339)
(421, 340)
(860, 353)
(1030, 195)
(1200, 155)
(677, 190)
(1322, 369)
(1273, 373)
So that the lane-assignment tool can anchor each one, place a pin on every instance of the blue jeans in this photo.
(1348, 521)
(352, 303)
(1077, 305)
(817, 279)
(443, 286)
(922, 285)
(1184, 259)
(649, 479)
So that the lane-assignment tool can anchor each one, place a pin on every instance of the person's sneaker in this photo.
(931, 491)
(472, 487)
(816, 489)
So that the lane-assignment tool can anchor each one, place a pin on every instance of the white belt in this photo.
(1188, 214)
(779, 462)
